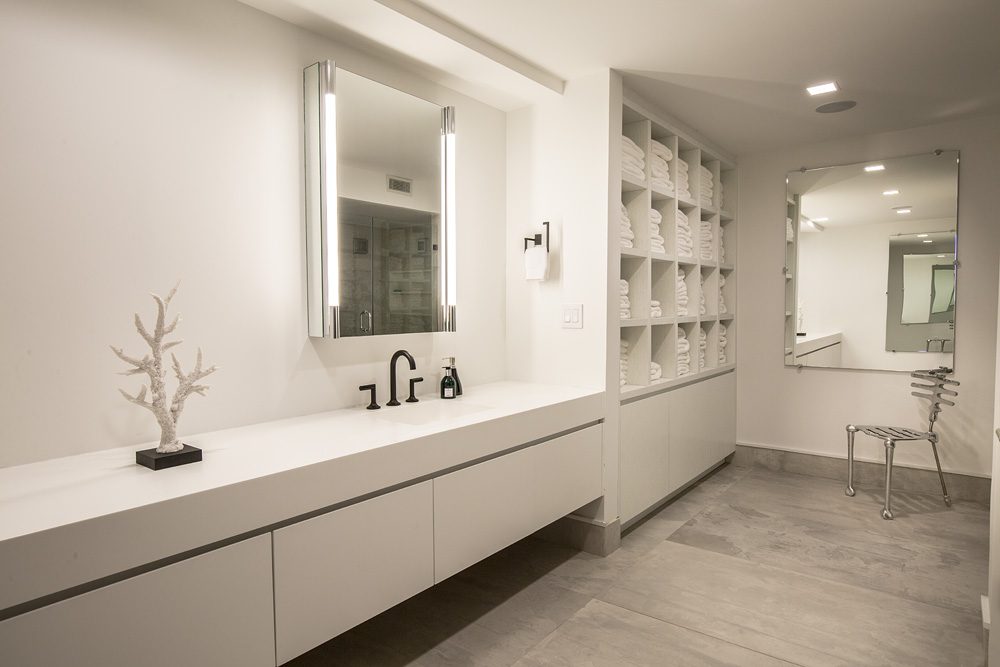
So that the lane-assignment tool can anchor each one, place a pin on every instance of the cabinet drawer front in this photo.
(213, 609)
(486, 507)
(338, 570)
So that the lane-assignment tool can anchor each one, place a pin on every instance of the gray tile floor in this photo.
(750, 567)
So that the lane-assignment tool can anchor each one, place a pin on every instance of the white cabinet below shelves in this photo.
(702, 428)
(486, 507)
(644, 465)
(212, 609)
(339, 569)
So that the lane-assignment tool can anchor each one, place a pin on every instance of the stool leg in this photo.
(851, 430)
(944, 487)
(890, 447)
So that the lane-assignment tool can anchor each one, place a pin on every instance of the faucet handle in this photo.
(413, 383)
(370, 387)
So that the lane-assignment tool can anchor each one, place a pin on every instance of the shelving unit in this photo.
(655, 276)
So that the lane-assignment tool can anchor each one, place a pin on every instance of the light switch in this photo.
(572, 316)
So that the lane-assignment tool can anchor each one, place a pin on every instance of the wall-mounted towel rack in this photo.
(537, 238)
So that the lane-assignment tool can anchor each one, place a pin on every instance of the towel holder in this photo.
(537, 238)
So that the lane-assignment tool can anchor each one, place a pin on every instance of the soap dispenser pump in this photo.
(448, 384)
(449, 362)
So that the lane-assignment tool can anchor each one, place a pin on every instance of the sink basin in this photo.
(426, 412)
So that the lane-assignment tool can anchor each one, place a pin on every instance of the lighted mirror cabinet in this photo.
(380, 213)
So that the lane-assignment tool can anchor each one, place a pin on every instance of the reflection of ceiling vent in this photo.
(403, 186)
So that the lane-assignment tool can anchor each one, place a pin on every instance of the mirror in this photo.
(870, 264)
(380, 225)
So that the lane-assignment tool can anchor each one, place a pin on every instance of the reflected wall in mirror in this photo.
(380, 228)
(871, 257)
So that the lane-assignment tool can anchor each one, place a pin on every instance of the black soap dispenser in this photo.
(448, 388)
(449, 362)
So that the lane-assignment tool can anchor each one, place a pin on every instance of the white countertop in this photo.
(77, 518)
(813, 342)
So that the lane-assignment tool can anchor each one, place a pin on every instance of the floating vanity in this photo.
(288, 533)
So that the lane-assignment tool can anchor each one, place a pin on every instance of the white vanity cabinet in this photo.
(213, 609)
(483, 508)
(339, 569)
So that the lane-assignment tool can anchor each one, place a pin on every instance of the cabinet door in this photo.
(702, 427)
(213, 609)
(644, 453)
(337, 570)
(486, 507)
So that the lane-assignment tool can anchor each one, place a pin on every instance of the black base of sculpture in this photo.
(156, 461)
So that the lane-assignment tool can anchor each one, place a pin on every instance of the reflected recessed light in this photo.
(928, 241)
(940, 256)
(875, 167)
(820, 219)
(889, 193)
(903, 211)
(922, 236)
(822, 88)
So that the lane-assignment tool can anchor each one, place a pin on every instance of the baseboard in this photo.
(984, 603)
(594, 537)
(866, 474)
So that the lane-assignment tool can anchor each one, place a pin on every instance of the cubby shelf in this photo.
(654, 276)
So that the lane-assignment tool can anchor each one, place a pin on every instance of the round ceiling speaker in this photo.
(836, 107)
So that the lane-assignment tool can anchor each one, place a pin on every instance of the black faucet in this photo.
(392, 373)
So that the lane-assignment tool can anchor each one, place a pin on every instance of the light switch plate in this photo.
(572, 316)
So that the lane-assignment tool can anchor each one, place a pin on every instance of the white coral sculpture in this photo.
(152, 365)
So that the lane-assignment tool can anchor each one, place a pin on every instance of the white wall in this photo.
(557, 170)
(806, 410)
(153, 140)
(842, 283)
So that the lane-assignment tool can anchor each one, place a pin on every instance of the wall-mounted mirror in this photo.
(871, 263)
(380, 223)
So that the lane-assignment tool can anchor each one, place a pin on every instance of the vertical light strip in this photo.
(329, 167)
(449, 221)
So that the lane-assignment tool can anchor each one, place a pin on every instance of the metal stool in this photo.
(934, 390)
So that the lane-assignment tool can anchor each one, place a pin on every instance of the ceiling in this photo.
(734, 70)
(848, 195)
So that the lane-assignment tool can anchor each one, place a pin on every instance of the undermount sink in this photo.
(426, 412)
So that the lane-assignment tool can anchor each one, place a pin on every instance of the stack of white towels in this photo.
(723, 342)
(623, 364)
(656, 241)
(722, 302)
(659, 166)
(702, 308)
(722, 248)
(625, 229)
(655, 371)
(682, 297)
(722, 196)
(789, 231)
(655, 309)
(683, 353)
(707, 193)
(702, 348)
(683, 180)
(707, 236)
(624, 305)
(685, 239)
(633, 160)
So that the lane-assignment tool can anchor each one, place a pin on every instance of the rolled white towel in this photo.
(658, 166)
(624, 301)
(655, 217)
(625, 314)
(659, 240)
(682, 165)
(629, 147)
(657, 148)
(634, 173)
(683, 345)
(662, 183)
(655, 371)
(623, 286)
(627, 233)
(627, 243)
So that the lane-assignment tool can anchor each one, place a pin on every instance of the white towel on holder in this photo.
(536, 263)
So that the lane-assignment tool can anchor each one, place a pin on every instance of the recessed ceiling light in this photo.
(922, 236)
(928, 241)
(875, 167)
(889, 193)
(940, 256)
(822, 88)
(820, 219)
(903, 210)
